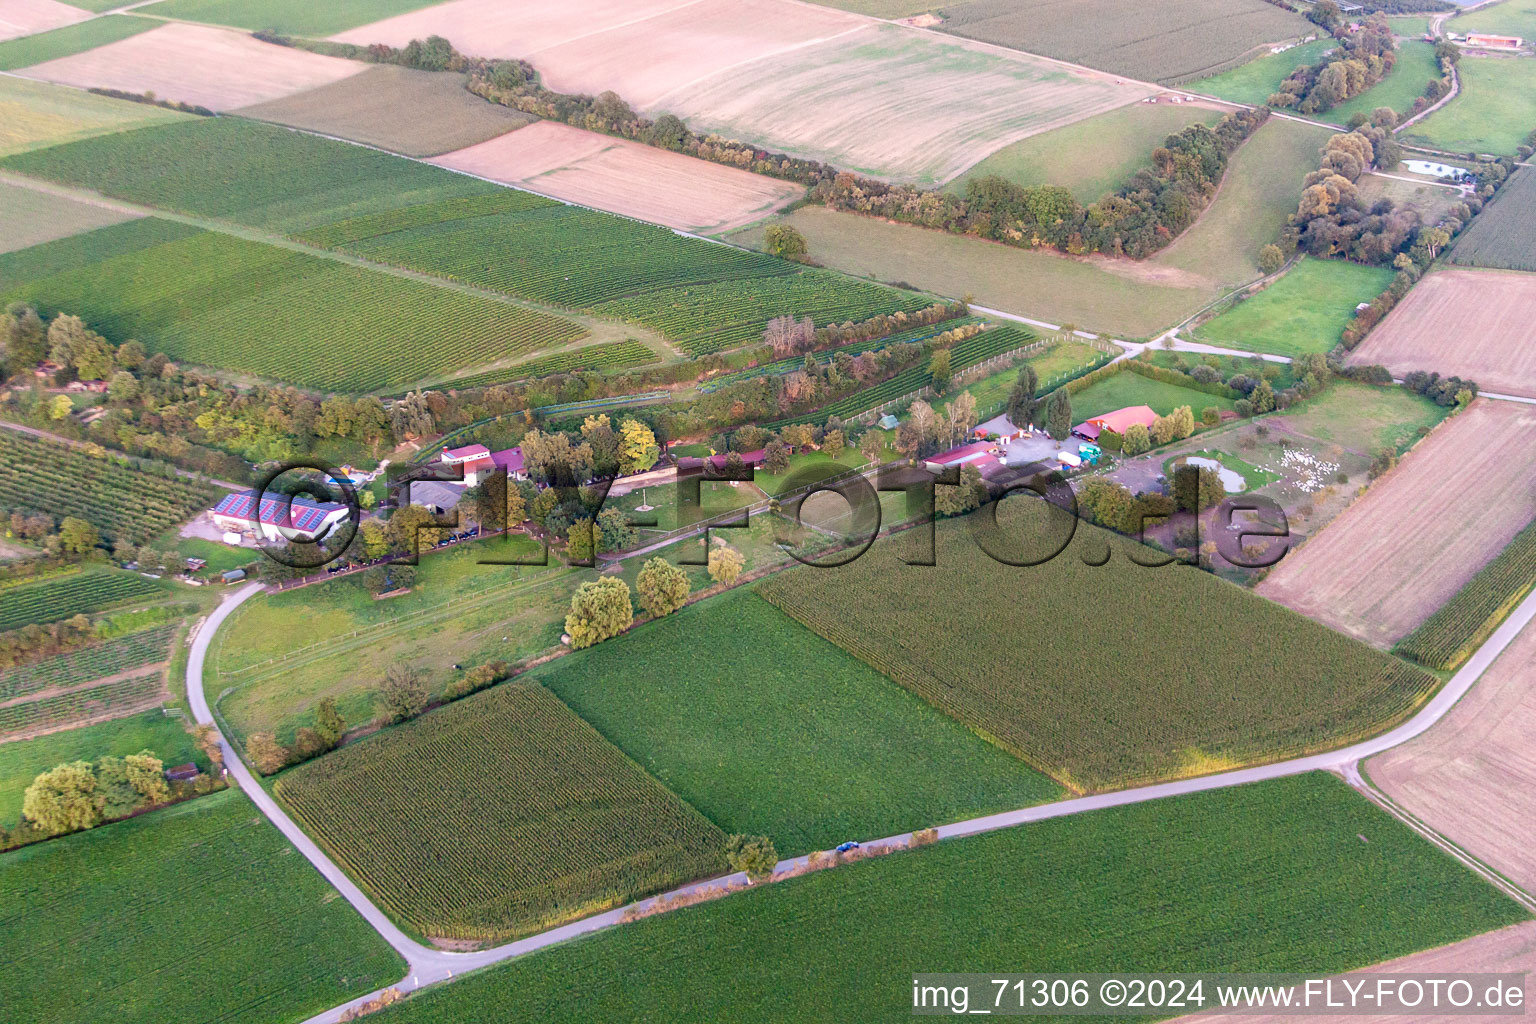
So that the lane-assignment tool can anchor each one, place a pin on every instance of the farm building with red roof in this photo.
(1119, 421)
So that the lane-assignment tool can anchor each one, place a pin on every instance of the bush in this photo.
(263, 751)
(1210, 415)
(1271, 258)
(403, 694)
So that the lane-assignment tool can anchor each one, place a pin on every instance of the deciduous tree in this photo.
(599, 609)
(725, 565)
(62, 800)
(663, 587)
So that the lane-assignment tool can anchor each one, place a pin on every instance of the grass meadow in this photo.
(22, 760)
(1298, 874)
(198, 912)
(1254, 82)
(767, 728)
(1416, 65)
(29, 217)
(1092, 156)
(1365, 418)
(1304, 311)
(1110, 673)
(34, 115)
(1126, 388)
(70, 40)
(1493, 113)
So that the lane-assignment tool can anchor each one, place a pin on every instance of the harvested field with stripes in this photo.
(625, 177)
(499, 815)
(1422, 531)
(1473, 324)
(196, 64)
(643, 50)
(1472, 776)
(24, 17)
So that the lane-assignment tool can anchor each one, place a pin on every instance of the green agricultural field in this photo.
(1052, 367)
(293, 17)
(121, 500)
(1365, 418)
(1448, 637)
(59, 597)
(1510, 18)
(1122, 297)
(89, 703)
(34, 115)
(767, 728)
(70, 40)
(418, 113)
(499, 815)
(199, 912)
(121, 654)
(1493, 113)
(1305, 311)
(1416, 65)
(22, 760)
(964, 353)
(459, 612)
(1299, 874)
(29, 217)
(1503, 235)
(603, 358)
(1033, 283)
(1173, 42)
(1254, 82)
(384, 208)
(1092, 156)
(1127, 388)
(256, 174)
(1109, 675)
(1256, 198)
(225, 302)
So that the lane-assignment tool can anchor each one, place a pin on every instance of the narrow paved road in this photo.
(428, 965)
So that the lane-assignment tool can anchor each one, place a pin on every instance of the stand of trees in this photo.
(1363, 57)
(1146, 214)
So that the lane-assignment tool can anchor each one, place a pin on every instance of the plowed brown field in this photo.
(210, 67)
(1422, 531)
(625, 177)
(640, 50)
(1473, 776)
(24, 17)
(1471, 323)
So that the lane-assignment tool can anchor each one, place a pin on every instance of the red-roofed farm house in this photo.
(275, 517)
(479, 462)
(1119, 421)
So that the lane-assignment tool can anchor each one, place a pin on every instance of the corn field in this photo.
(497, 816)
(1448, 637)
(1101, 676)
